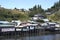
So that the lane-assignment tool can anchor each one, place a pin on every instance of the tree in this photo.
(35, 10)
(41, 21)
(8, 14)
(55, 17)
(55, 7)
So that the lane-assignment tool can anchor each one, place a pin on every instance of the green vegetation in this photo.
(15, 14)
(24, 15)
(41, 21)
(19, 14)
(55, 9)
(35, 10)
(55, 17)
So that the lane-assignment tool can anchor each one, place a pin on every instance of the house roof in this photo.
(38, 15)
(45, 19)
(4, 22)
(52, 23)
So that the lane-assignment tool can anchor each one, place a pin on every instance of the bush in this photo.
(40, 21)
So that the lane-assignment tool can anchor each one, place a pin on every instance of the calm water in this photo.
(37, 36)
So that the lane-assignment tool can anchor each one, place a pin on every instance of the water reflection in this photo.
(32, 37)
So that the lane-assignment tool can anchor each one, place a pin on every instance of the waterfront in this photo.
(33, 36)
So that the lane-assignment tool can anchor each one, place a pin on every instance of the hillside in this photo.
(55, 16)
(20, 14)
(13, 14)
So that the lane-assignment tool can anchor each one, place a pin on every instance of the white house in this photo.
(18, 22)
(48, 13)
(37, 16)
(45, 20)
